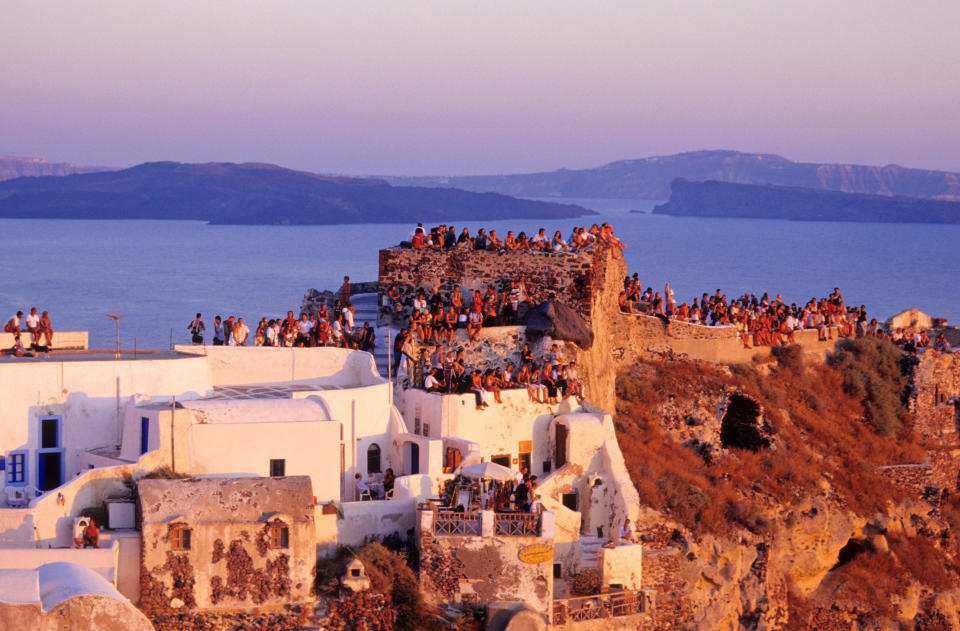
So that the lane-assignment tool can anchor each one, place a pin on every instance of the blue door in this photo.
(144, 434)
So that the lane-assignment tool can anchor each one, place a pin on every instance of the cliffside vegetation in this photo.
(749, 455)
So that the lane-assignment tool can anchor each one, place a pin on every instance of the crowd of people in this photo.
(436, 318)
(759, 321)
(519, 495)
(446, 238)
(546, 380)
(324, 327)
(38, 325)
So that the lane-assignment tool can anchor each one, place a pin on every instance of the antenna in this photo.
(116, 322)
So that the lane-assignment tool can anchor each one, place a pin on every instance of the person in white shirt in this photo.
(626, 532)
(240, 333)
(304, 326)
(273, 333)
(32, 324)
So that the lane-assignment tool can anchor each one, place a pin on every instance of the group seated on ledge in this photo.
(436, 318)
(446, 238)
(38, 326)
(546, 381)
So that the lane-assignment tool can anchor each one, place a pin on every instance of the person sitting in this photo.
(32, 324)
(388, 482)
(492, 384)
(434, 381)
(46, 329)
(363, 491)
(474, 322)
(626, 532)
(476, 386)
(90, 536)
(494, 244)
(419, 240)
(558, 244)
(510, 242)
(942, 344)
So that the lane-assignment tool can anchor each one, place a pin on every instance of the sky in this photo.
(451, 87)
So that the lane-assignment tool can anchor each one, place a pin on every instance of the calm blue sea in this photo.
(158, 274)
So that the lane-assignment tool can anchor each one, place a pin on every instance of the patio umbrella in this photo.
(488, 470)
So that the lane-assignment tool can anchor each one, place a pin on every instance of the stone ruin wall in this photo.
(563, 276)
(934, 404)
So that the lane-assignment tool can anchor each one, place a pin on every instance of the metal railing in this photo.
(453, 523)
(516, 524)
(597, 607)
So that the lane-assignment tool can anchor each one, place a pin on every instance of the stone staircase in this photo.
(589, 551)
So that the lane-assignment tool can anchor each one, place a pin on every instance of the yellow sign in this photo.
(536, 553)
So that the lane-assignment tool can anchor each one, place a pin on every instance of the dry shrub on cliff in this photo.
(923, 560)
(875, 373)
(816, 427)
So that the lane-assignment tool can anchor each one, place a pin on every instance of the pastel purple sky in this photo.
(449, 87)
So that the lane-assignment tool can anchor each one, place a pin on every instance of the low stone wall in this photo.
(662, 573)
(102, 560)
(364, 520)
(62, 340)
(915, 479)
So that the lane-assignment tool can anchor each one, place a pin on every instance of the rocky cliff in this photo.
(724, 199)
(12, 167)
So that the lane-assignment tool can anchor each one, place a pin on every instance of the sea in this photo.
(156, 275)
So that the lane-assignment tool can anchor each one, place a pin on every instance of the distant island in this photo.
(650, 178)
(13, 167)
(226, 193)
(725, 199)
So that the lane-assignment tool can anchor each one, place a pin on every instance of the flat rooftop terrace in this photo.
(91, 355)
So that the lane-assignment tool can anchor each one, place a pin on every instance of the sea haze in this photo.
(157, 274)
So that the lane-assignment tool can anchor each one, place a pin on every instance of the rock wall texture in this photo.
(250, 543)
(935, 406)
(563, 277)
(483, 570)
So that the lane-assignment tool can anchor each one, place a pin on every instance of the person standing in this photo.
(218, 337)
(228, 331)
(240, 333)
(196, 328)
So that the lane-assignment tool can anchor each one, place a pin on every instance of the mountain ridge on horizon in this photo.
(651, 177)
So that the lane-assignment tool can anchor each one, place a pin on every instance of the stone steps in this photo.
(589, 552)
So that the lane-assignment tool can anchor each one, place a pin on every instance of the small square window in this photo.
(279, 537)
(278, 468)
(17, 468)
(180, 538)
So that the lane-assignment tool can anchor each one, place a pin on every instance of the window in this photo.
(570, 500)
(373, 458)
(144, 434)
(17, 468)
(557, 570)
(278, 536)
(180, 537)
(502, 460)
(278, 468)
(50, 432)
